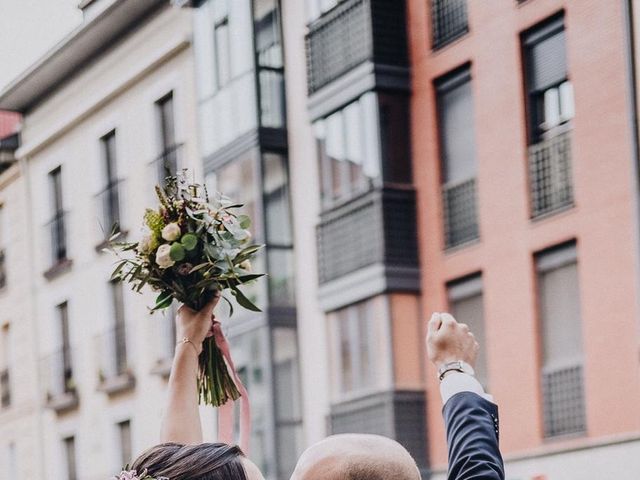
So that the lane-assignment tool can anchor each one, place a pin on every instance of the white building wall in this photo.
(20, 423)
(117, 91)
(305, 201)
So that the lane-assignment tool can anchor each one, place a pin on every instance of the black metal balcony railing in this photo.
(57, 376)
(399, 415)
(168, 161)
(550, 175)
(3, 269)
(448, 21)
(378, 227)
(563, 396)
(351, 33)
(460, 213)
(57, 237)
(5, 388)
(108, 206)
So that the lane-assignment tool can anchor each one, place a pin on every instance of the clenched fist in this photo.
(449, 341)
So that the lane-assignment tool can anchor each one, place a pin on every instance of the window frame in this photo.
(544, 30)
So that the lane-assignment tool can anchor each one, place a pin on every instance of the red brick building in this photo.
(523, 154)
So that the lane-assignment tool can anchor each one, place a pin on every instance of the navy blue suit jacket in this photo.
(472, 436)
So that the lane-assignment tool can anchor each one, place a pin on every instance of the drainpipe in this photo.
(630, 51)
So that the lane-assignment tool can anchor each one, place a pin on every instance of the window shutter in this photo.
(549, 62)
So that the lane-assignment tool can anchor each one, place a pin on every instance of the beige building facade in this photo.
(87, 364)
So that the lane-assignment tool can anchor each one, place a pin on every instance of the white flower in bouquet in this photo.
(246, 265)
(171, 232)
(148, 242)
(163, 256)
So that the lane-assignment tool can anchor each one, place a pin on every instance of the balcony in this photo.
(57, 374)
(397, 414)
(167, 162)
(3, 269)
(5, 388)
(368, 246)
(563, 397)
(114, 374)
(460, 213)
(57, 233)
(550, 176)
(352, 33)
(448, 21)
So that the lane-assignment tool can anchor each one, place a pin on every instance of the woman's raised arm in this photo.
(181, 419)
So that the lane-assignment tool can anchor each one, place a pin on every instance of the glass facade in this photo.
(241, 93)
(362, 146)
(360, 349)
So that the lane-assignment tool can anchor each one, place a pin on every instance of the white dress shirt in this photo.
(456, 382)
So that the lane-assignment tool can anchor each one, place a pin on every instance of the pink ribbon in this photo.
(225, 412)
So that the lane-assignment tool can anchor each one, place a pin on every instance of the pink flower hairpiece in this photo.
(133, 475)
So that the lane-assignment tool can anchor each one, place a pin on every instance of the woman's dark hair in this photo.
(207, 461)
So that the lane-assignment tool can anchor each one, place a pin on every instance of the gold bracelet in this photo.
(186, 340)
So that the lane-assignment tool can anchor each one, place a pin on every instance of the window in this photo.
(5, 363)
(57, 223)
(562, 357)
(168, 161)
(70, 457)
(222, 43)
(315, 8)
(251, 356)
(361, 353)
(458, 157)
(466, 305)
(270, 63)
(448, 21)
(550, 108)
(549, 91)
(119, 337)
(124, 435)
(278, 229)
(65, 353)
(108, 198)
(288, 403)
(349, 150)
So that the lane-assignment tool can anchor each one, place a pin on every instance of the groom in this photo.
(471, 420)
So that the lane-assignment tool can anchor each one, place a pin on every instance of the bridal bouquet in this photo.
(191, 248)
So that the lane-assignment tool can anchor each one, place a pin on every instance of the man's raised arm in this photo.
(471, 418)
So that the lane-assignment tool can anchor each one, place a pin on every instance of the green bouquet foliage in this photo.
(193, 247)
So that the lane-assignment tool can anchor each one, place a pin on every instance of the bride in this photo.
(182, 455)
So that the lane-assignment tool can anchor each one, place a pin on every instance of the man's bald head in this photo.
(356, 457)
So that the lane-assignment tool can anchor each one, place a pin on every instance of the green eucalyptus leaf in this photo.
(244, 221)
(189, 241)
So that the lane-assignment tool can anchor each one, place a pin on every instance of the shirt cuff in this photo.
(456, 382)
